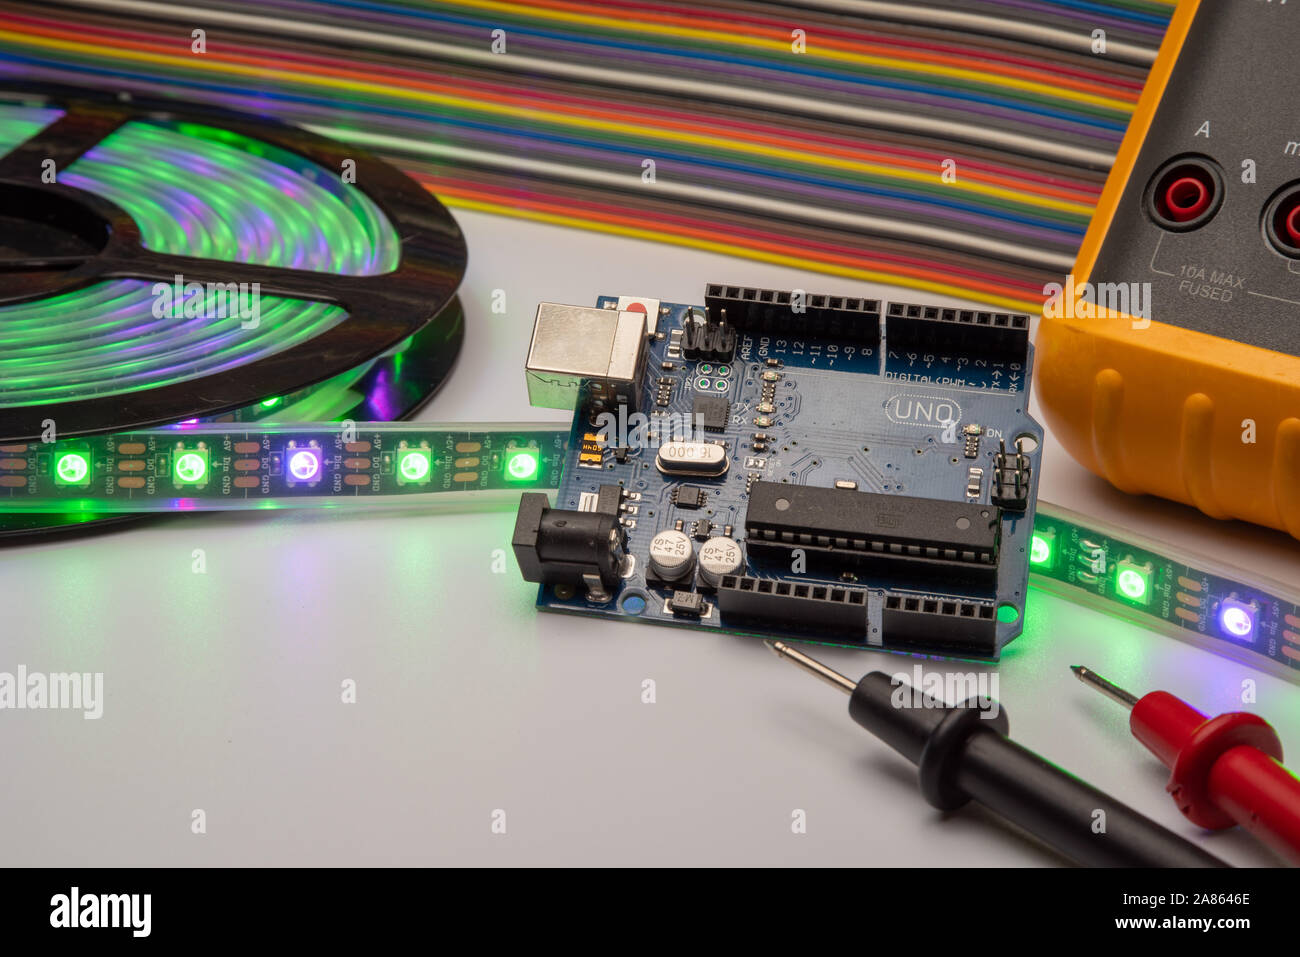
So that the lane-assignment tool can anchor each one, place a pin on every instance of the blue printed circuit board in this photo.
(862, 490)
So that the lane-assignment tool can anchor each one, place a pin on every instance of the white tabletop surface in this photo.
(223, 690)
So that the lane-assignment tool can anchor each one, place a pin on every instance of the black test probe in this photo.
(963, 752)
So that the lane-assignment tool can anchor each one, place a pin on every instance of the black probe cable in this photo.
(963, 752)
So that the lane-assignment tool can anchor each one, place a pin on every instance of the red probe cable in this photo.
(1224, 771)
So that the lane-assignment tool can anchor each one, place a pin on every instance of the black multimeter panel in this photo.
(1211, 215)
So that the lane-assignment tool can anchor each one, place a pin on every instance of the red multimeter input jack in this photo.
(1282, 221)
(1185, 194)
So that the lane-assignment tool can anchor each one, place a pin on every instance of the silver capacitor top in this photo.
(719, 556)
(671, 554)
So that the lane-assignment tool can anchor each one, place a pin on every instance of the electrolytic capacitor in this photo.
(671, 554)
(719, 556)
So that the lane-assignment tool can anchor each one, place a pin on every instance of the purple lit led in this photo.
(1237, 619)
(304, 465)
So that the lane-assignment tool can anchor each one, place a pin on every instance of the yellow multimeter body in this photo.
(1194, 396)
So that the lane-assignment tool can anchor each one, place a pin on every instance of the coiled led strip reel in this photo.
(161, 264)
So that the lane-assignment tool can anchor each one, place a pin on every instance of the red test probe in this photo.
(1223, 771)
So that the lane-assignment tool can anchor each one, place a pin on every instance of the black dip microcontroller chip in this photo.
(711, 411)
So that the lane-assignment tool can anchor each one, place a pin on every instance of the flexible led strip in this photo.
(208, 467)
(1158, 586)
(18, 123)
(199, 191)
(185, 265)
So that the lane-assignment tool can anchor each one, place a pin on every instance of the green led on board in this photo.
(1040, 550)
(71, 468)
(521, 465)
(414, 466)
(191, 467)
(1133, 583)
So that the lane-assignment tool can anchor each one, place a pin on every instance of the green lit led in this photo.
(71, 468)
(521, 465)
(1133, 582)
(1040, 548)
(414, 466)
(270, 403)
(190, 467)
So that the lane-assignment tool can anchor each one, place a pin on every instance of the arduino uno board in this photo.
(774, 463)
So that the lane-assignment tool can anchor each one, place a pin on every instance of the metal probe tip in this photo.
(1111, 690)
(812, 666)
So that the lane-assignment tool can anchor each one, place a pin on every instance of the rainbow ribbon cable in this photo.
(956, 148)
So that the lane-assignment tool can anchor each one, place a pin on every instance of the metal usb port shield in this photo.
(581, 355)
